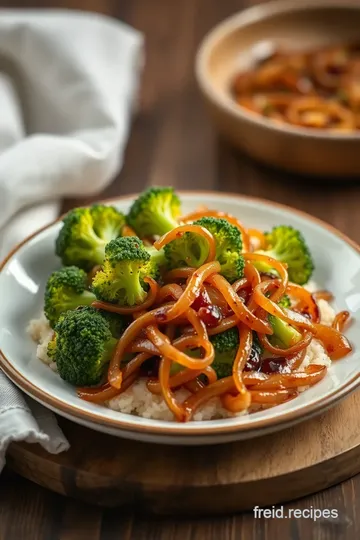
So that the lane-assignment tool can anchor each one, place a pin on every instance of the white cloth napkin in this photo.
(68, 86)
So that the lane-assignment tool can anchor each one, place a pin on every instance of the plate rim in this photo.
(61, 406)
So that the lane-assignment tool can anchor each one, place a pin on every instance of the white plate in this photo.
(22, 279)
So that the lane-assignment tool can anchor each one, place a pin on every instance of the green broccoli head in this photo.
(85, 233)
(287, 245)
(117, 323)
(192, 249)
(66, 289)
(228, 246)
(285, 301)
(82, 346)
(188, 250)
(225, 345)
(126, 264)
(154, 212)
(108, 221)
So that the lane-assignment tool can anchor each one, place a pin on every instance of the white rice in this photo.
(137, 399)
(39, 330)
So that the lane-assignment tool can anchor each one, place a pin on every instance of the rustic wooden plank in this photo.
(164, 480)
(79, 522)
(27, 511)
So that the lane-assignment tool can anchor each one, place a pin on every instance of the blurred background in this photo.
(172, 139)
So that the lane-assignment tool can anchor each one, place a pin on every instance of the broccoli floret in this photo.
(108, 221)
(154, 212)
(192, 250)
(225, 345)
(228, 246)
(85, 233)
(121, 279)
(117, 323)
(223, 369)
(83, 346)
(188, 250)
(66, 289)
(285, 301)
(287, 245)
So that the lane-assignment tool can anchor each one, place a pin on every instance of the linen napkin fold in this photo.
(68, 87)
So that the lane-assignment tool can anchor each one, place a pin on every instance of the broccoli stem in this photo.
(164, 223)
(109, 233)
(286, 334)
(84, 299)
(157, 256)
(99, 252)
(96, 245)
(133, 290)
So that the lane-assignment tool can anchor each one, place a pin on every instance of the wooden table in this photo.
(172, 142)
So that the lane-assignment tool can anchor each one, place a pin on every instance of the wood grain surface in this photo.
(173, 142)
(226, 478)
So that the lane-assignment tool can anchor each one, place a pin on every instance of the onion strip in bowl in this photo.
(314, 89)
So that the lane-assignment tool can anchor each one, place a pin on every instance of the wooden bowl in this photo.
(294, 25)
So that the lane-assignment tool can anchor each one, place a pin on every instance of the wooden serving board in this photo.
(226, 478)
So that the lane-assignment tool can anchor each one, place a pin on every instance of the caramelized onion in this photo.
(128, 310)
(172, 290)
(192, 289)
(164, 376)
(340, 320)
(277, 381)
(192, 403)
(259, 236)
(238, 307)
(306, 302)
(336, 344)
(299, 346)
(280, 268)
(287, 315)
(182, 377)
(172, 353)
(106, 391)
